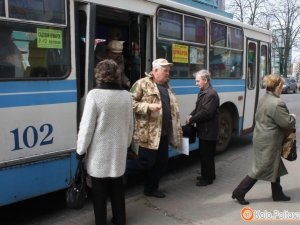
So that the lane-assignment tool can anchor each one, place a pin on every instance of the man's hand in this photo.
(154, 107)
(187, 120)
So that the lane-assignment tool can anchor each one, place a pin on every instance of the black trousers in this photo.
(207, 159)
(153, 162)
(246, 184)
(102, 188)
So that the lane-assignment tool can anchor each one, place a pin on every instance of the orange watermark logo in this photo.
(247, 214)
(250, 215)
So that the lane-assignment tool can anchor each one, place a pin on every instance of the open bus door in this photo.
(96, 25)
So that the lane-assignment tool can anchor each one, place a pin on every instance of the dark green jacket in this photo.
(272, 122)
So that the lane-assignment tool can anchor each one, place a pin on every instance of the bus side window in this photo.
(10, 56)
(37, 60)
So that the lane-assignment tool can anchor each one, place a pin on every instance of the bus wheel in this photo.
(225, 130)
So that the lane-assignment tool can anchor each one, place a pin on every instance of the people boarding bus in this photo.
(43, 85)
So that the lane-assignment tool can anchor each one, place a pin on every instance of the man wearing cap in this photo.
(114, 51)
(157, 125)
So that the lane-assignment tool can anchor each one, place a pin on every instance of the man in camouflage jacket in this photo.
(157, 124)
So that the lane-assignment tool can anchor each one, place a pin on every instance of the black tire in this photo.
(225, 130)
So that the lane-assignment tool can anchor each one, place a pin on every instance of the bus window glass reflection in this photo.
(45, 11)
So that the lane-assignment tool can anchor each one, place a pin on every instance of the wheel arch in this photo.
(228, 125)
(232, 109)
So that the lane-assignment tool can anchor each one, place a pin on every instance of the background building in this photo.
(296, 70)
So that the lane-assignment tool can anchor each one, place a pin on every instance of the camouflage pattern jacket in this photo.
(148, 124)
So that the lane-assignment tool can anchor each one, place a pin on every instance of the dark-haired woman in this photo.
(105, 133)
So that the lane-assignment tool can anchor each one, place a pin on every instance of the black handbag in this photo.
(289, 147)
(189, 131)
(76, 193)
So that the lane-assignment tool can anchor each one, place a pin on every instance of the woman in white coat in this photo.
(105, 133)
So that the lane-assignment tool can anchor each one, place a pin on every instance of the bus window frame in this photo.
(226, 48)
(48, 25)
(182, 41)
(263, 44)
(252, 78)
(8, 18)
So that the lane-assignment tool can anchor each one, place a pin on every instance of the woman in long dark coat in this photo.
(272, 122)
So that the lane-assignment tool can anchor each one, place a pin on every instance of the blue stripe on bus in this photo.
(36, 99)
(28, 93)
(34, 86)
(188, 86)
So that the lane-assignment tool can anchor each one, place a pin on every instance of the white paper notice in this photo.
(185, 146)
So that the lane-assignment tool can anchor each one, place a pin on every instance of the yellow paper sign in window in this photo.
(49, 38)
(180, 53)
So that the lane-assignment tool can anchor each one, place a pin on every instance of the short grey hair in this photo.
(203, 74)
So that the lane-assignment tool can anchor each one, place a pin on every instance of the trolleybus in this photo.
(47, 57)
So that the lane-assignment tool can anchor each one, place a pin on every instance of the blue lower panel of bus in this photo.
(37, 178)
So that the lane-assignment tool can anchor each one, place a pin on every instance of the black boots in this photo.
(241, 190)
(277, 193)
(240, 199)
(248, 182)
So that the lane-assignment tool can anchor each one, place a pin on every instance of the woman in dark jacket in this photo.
(205, 115)
(272, 122)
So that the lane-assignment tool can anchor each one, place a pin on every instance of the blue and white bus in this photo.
(47, 63)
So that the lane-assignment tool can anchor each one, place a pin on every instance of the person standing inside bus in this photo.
(157, 125)
(114, 51)
(272, 122)
(105, 133)
(205, 115)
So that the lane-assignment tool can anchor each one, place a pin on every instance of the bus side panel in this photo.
(38, 134)
(37, 178)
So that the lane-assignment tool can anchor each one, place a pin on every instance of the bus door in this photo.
(84, 33)
(140, 38)
(251, 85)
(130, 28)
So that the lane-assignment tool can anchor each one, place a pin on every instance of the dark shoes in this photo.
(280, 198)
(156, 194)
(202, 182)
(240, 199)
(201, 178)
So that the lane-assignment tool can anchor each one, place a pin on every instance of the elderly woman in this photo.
(105, 133)
(272, 122)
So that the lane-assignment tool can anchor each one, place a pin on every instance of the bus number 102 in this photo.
(44, 133)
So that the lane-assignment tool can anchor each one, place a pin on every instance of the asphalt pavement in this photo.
(189, 204)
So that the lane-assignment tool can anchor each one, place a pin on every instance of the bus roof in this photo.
(210, 15)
